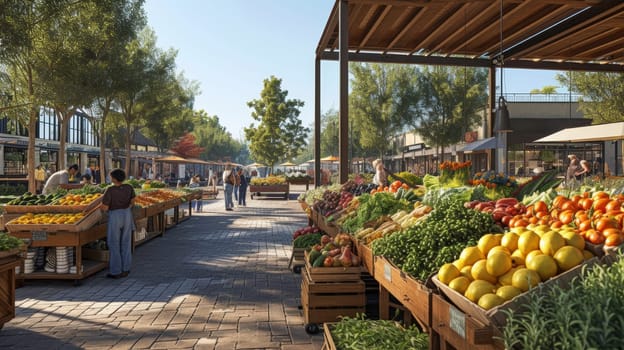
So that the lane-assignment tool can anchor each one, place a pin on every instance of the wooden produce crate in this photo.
(332, 274)
(327, 227)
(52, 208)
(83, 224)
(451, 328)
(496, 316)
(8, 263)
(297, 260)
(328, 341)
(412, 294)
(327, 301)
(259, 189)
(366, 256)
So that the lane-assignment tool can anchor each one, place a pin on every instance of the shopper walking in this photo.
(228, 186)
(573, 168)
(242, 190)
(195, 183)
(237, 183)
(118, 201)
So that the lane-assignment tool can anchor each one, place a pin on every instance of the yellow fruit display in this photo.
(447, 273)
(517, 258)
(479, 272)
(490, 300)
(550, 242)
(524, 279)
(505, 280)
(531, 255)
(470, 255)
(498, 248)
(508, 292)
(48, 219)
(510, 241)
(78, 199)
(465, 271)
(487, 242)
(477, 289)
(574, 239)
(544, 265)
(460, 284)
(567, 257)
(498, 263)
(528, 241)
(587, 254)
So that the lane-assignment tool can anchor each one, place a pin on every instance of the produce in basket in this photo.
(334, 252)
(501, 267)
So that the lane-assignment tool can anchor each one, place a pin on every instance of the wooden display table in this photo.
(259, 189)
(413, 295)
(8, 261)
(84, 268)
(301, 181)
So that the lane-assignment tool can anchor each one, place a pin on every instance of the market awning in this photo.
(180, 160)
(480, 145)
(591, 133)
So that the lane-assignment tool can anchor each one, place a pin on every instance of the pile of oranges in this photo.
(393, 188)
(598, 217)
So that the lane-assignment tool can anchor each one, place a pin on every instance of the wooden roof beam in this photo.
(461, 34)
(564, 29)
(375, 25)
(433, 19)
(330, 28)
(417, 17)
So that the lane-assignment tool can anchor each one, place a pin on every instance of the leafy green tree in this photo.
(329, 133)
(603, 94)
(546, 90)
(383, 102)
(279, 133)
(216, 141)
(452, 98)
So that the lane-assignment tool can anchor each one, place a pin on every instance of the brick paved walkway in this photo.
(216, 281)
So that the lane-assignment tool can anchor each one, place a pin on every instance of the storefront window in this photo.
(48, 159)
(48, 125)
(14, 161)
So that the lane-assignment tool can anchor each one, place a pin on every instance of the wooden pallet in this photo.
(327, 301)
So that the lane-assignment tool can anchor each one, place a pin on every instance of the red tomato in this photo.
(586, 203)
(603, 223)
(566, 216)
(584, 225)
(611, 231)
(600, 195)
(601, 204)
(613, 205)
(568, 205)
(540, 206)
(506, 219)
(556, 224)
(594, 237)
(613, 240)
(521, 223)
(558, 201)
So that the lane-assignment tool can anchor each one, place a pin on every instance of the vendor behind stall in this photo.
(59, 178)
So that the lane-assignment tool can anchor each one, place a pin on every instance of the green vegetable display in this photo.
(8, 242)
(36, 199)
(372, 207)
(306, 241)
(358, 333)
(421, 249)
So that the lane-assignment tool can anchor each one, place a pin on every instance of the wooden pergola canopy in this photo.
(581, 35)
(547, 34)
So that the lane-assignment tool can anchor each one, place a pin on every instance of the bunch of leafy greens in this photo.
(8, 242)
(421, 249)
(360, 333)
(372, 207)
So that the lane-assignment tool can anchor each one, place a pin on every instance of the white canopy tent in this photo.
(591, 133)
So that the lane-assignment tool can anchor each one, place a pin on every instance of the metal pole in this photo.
(344, 90)
(317, 122)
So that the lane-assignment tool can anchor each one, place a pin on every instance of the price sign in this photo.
(39, 236)
(458, 321)
(388, 272)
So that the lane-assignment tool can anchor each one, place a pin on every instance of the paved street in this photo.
(216, 281)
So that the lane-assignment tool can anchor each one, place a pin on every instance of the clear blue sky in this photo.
(231, 46)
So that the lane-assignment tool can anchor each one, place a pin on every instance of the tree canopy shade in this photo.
(383, 102)
(603, 94)
(452, 98)
(279, 133)
(216, 141)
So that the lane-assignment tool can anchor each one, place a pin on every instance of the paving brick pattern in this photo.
(216, 281)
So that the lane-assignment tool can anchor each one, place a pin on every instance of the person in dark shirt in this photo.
(118, 201)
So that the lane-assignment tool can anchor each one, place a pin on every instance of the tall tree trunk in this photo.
(128, 149)
(32, 131)
(103, 170)
(65, 115)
